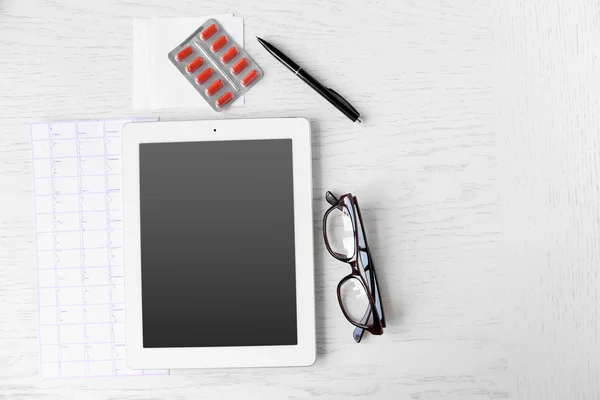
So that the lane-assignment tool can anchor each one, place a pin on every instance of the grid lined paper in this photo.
(78, 211)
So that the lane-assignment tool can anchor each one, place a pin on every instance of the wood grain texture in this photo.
(463, 86)
(549, 125)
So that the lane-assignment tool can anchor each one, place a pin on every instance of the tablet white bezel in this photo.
(302, 354)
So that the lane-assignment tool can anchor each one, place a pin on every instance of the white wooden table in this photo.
(476, 168)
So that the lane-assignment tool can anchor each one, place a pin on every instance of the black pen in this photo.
(329, 94)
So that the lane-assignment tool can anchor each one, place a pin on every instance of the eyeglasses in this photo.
(358, 293)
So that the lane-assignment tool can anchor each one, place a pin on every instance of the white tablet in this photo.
(218, 244)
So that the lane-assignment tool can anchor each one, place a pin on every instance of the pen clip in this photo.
(343, 100)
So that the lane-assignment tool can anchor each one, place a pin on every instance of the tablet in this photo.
(218, 244)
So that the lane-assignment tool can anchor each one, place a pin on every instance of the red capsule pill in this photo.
(208, 32)
(229, 54)
(184, 53)
(248, 79)
(239, 66)
(214, 87)
(226, 98)
(219, 43)
(204, 76)
(194, 65)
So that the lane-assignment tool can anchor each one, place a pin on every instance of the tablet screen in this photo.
(217, 244)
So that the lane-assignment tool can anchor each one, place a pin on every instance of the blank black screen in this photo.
(217, 244)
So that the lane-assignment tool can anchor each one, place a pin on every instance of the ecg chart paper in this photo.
(79, 219)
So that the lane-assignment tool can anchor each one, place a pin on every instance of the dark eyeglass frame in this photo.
(369, 279)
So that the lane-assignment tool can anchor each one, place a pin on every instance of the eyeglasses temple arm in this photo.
(331, 199)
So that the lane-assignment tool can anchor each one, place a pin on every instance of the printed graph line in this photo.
(78, 247)
(79, 158)
(71, 212)
(79, 323)
(36, 245)
(83, 286)
(58, 306)
(81, 361)
(76, 176)
(108, 201)
(75, 248)
(81, 191)
(81, 253)
(83, 230)
(59, 355)
(70, 138)
(85, 267)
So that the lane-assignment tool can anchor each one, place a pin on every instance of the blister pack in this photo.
(218, 67)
